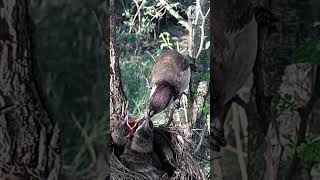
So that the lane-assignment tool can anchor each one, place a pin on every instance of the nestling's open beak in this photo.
(131, 126)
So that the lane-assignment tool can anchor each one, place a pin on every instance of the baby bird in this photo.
(138, 154)
(142, 140)
(120, 133)
(123, 131)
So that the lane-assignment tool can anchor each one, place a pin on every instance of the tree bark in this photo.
(117, 97)
(275, 53)
(29, 137)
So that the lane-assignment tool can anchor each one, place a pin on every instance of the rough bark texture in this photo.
(276, 71)
(106, 35)
(202, 63)
(117, 97)
(29, 138)
(274, 55)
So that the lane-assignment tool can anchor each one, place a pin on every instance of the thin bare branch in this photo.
(137, 13)
(175, 14)
(203, 17)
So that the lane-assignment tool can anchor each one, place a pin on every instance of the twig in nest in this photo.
(118, 170)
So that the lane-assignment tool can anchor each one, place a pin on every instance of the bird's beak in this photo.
(126, 120)
(149, 114)
(130, 134)
(146, 122)
(131, 125)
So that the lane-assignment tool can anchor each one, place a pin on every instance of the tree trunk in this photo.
(29, 138)
(117, 97)
(268, 132)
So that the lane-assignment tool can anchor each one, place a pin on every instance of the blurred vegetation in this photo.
(309, 52)
(141, 37)
(309, 148)
(69, 50)
(72, 63)
(145, 29)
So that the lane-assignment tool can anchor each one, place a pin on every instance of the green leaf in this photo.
(198, 93)
(206, 77)
(207, 45)
(206, 109)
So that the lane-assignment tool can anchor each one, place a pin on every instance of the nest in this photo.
(189, 158)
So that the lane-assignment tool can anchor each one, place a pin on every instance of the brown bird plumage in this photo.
(170, 77)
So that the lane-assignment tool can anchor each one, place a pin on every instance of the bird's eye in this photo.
(124, 133)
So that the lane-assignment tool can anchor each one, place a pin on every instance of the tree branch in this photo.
(180, 19)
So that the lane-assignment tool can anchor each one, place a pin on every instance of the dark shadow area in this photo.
(71, 58)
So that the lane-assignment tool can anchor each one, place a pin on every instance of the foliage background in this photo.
(144, 35)
(72, 62)
(71, 58)
(145, 29)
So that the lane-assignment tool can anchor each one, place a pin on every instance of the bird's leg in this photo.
(170, 117)
(175, 105)
(217, 131)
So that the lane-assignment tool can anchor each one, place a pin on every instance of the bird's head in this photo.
(120, 133)
(123, 131)
(143, 137)
(161, 97)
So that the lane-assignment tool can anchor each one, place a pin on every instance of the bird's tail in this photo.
(161, 98)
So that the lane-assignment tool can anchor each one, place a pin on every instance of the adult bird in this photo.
(170, 77)
(235, 42)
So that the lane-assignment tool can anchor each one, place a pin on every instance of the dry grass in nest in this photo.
(189, 164)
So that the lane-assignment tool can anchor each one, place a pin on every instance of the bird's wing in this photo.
(235, 45)
(173, 68)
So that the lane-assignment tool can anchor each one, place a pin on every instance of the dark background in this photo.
(70, 51)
